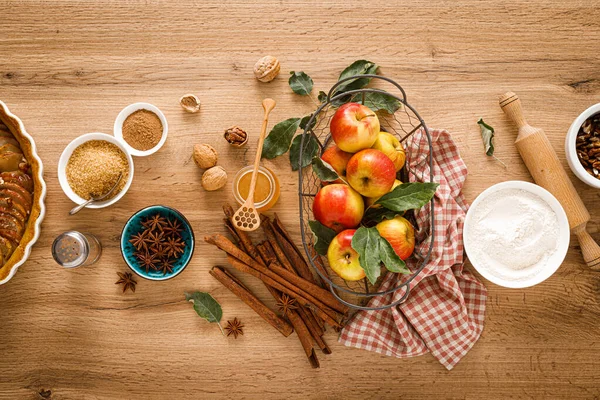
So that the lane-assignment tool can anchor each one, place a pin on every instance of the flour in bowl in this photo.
(512, 234)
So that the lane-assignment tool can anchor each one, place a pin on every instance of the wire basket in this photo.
(405, 123)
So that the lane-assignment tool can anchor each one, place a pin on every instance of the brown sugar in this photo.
(94, 167)
(142, 130)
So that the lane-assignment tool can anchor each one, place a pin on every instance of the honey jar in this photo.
(267, 188)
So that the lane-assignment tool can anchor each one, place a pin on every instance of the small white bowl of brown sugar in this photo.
(90, 166)
(142, 127)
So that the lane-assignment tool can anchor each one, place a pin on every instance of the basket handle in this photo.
(363, 308)
(370, 76)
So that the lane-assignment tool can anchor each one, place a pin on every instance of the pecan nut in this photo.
(236, 136)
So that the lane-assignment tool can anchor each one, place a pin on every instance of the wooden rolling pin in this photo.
(547, 171)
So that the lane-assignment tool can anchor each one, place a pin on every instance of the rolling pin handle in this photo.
(589, 248)
(511, 105)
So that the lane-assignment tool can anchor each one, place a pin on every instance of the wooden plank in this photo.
(69, 67)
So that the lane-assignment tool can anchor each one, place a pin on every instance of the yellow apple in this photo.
(391, 147)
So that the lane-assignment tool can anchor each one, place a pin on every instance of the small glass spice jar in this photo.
(267, 188)
(73, 249)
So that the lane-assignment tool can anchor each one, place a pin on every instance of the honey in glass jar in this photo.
(267, 188)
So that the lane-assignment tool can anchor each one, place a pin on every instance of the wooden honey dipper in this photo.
(543, 164)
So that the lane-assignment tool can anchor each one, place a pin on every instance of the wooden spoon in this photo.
(246, 217)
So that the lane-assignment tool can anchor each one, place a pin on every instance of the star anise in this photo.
(147, 260)
(173, 228)
(166, 266)
(160, 251)
(155, 223)
(174, 247)
(234, 328)
(126, 279)
(286, 304)
(139, 241)
(154, 240)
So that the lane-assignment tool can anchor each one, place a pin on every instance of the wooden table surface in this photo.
(69, 67)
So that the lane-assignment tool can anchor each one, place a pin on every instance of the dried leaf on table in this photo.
(300, 83)
(487, 135)
(206, 307)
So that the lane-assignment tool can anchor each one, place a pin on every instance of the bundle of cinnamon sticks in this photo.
(278, 263)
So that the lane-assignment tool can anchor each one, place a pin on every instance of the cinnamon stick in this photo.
(329, 315)
(299, 286)
(263, 257)
(233, 284)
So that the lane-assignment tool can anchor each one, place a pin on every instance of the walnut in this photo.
(214, 178)
(190, 103)
(266, 69)
(236, 136)
(205, 155)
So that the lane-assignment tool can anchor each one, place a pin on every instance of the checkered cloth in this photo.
(445, 309)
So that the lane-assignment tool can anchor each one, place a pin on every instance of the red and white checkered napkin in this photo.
(445, 309)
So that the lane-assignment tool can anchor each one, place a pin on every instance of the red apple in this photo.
(391, 147)
(354, 127)
(338, 207)
(400, 233)
(343, 259)
(371, 173)
(338, 159)
(370, 201)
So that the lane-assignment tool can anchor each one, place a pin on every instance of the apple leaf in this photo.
(487, 134)
(324, 170)
(322, 97)
(408, 196)
(301, 83)
(280, 138)
(366, 243)
(390, 259)
(359, 67)
(323, 236)
(206, 307)
(310, 150)
(304, 122)
(378, 101)
(376, 215)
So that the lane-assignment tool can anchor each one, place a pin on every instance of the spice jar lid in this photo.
(70, 249)
(126, 112)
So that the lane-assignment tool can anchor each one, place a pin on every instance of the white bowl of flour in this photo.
(516, 234)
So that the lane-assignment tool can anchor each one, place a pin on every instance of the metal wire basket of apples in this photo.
(366, 143)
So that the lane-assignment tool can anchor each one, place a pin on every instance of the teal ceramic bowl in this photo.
(134, 226)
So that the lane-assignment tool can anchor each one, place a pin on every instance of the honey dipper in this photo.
(543, 164)
(246, 217)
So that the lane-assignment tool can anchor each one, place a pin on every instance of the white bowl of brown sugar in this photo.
(142, 127)
(90, 166)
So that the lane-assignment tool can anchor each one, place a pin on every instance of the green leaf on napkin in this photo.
(300, 83)
(408, 196)
(310, 150)
(206, 307)
(280, 138)
(323, 236)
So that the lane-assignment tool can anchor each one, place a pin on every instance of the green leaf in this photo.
(322, 97)
(378, 101)
(408, 196)
(280, 138)
(366, 243)
(301, 83)
(359, 67)
(487, 134)
(304, 122)
(323, 236)
(324, 170)
(390, 259)
(206, 307)
(376, 215)
(311, 149)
